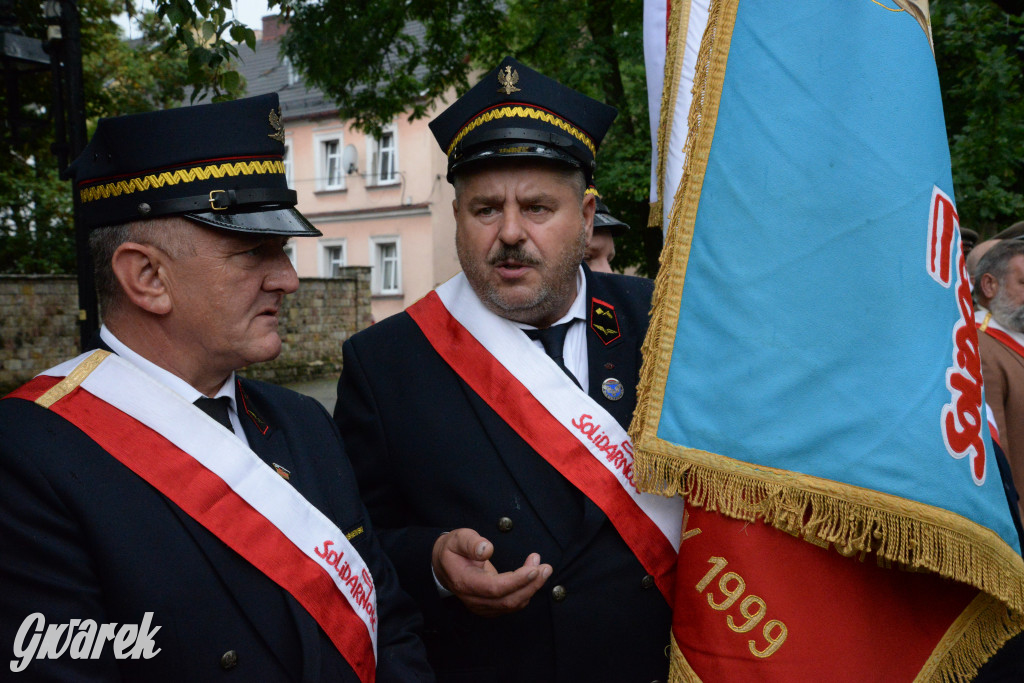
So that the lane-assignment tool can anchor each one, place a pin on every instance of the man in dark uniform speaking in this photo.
(160, 518)
(486, 423)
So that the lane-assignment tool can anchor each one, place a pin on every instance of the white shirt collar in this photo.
(168, 379)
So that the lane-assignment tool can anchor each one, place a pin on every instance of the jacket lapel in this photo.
(270, 444)
(612, 354)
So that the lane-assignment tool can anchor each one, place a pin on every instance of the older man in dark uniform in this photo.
(160, 518)
(487, 422)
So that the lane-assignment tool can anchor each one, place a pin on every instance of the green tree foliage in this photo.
(980, 54)
(36, 232)
(357, 54)
(204, 33)
(362, 56)
(595, 47)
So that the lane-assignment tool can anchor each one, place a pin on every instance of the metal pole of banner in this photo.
(65, 48)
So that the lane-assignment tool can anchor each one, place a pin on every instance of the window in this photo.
(333, 256)
(330, 175)
(293, 74)
(382, 154)
(288, 166)
(387, 266)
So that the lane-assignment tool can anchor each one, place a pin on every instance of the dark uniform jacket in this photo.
(82, 537)
(431, 456)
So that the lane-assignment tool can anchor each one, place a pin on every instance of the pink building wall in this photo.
(360, 214)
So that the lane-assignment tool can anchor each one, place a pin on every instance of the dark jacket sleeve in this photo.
(358, 418)
(44, 565)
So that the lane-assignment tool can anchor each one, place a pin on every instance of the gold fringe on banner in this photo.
(855, 520)
(668, 285)
(968, 643)
(678, 21)
(680, 670)
(656, 214)
(970, 640)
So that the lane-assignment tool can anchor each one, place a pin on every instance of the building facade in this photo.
(382, 203)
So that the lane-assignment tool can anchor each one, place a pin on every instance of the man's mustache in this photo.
(513, 253)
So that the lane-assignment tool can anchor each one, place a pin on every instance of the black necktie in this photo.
(553, 340)
(217, 408)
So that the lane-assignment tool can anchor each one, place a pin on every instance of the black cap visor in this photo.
(514, 142)
(611, 223)
(258, 221)
(511, 151)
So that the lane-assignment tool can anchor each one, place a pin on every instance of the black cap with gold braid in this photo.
(220, 164)
(516, 112)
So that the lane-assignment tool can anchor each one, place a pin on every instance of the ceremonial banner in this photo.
(822, 412)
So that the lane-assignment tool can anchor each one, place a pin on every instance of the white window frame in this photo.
(293, 73)
(377, 243)
(289, 164)
(324, 259)
(321, 141)
(373, 152)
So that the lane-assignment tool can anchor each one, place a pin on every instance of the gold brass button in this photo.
(229, 660)
(558, 593)
(505, 524)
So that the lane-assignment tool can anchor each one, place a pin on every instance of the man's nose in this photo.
(512, 230)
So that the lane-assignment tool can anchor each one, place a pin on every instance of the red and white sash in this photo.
(222, 484)
(999, 333)
(554, 416)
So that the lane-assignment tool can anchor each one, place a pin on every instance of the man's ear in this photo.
(989, 286)
(140, 269)
(589, 207)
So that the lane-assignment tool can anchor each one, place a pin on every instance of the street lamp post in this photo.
(64, 46)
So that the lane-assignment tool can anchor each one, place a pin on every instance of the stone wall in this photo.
(315, 321)
(39, 327)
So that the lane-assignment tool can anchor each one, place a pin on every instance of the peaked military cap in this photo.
(220, 164)
(603, 218)
(516, 112)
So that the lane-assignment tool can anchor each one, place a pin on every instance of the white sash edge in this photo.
(558, 394)
(122, 385)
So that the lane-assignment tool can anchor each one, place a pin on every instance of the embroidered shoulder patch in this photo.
(603, 321)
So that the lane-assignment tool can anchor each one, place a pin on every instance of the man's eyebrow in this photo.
(539, 198)
(486, 199)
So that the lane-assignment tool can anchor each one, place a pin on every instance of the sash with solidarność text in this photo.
(554, 416)
(218, 481)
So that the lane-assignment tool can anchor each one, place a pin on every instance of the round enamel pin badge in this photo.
(612, 389)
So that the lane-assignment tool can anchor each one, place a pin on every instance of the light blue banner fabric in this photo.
(811, 335)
